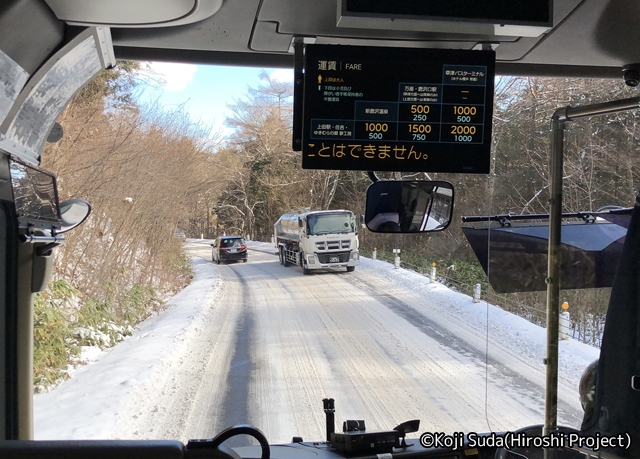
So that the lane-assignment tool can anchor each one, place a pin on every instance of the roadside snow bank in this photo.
(512, 332)
(91, 392)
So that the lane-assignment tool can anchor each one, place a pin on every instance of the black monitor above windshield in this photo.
(397, 109)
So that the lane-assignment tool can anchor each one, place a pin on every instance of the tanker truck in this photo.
(317, 239)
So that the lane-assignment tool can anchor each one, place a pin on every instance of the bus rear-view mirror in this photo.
(397, 206)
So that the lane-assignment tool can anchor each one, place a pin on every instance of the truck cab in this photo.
(318, 240)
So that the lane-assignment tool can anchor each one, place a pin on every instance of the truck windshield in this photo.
(331, 223)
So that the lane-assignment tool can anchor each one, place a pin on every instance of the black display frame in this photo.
(394, 67)
(512, 12)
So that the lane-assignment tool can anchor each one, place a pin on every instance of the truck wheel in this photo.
(306, 271)
(351, 269)
(283, 257)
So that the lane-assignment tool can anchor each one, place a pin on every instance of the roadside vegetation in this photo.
(143, 171)
(151, 174)
(65, 320)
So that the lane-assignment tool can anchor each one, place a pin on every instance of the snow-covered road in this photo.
(262, 343)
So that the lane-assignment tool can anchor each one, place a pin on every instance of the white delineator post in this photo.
(565, 322)
(432, 276)
(476, 293)
(374, 255)
(397, 261)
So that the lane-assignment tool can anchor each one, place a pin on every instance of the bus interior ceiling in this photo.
(588, 38)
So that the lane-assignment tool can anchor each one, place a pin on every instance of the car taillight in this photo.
(243, 247)
(222, 249)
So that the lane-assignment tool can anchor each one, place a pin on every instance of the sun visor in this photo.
(515, 257)
(621, 217)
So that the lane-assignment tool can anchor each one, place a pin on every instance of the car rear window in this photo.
(231, 242)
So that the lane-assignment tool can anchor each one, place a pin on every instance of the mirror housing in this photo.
(73, 213)
(420, 206)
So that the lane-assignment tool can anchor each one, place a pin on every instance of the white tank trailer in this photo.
(317, 239)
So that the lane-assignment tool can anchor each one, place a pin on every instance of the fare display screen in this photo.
(397, 109)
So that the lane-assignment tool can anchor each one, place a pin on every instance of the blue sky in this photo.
(205, 90)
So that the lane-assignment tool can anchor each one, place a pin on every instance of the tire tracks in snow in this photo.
(495, 363)
(281, 341)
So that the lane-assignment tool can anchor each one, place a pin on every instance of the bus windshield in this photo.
(392, 326)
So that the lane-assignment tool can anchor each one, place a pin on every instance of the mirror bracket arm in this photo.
(32, 239)
(372, 175)
(50, 243)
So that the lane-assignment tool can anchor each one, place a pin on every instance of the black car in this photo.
(229, 248)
